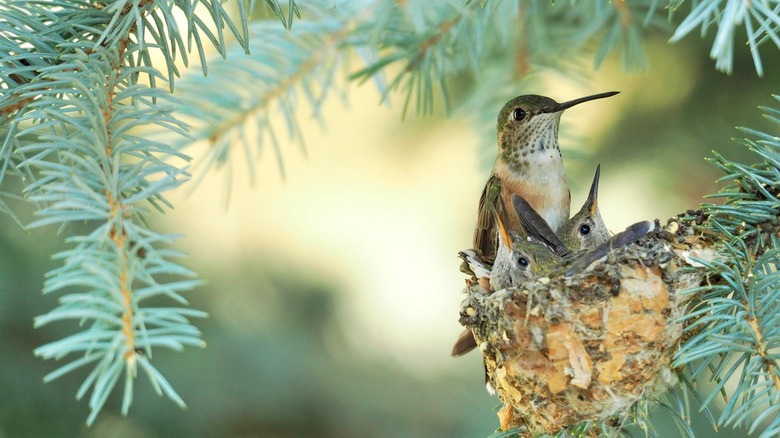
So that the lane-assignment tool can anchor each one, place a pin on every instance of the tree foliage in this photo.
(84, 81)
(73, 103)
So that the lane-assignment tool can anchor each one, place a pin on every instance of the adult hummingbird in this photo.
(586, 229)
(529, 164)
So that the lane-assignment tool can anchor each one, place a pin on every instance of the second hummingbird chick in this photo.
(586, 229)
(520, 259)
(624, 238)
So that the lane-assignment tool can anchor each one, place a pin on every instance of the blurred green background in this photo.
(333, 294)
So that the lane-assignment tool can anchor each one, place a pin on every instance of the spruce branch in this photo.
(72, 107)
(235, 105)
(619, 25)
(734, 322)
(423, 42)
(93, 168)
(761, 20)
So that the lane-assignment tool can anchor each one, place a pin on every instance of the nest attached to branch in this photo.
(564, 350)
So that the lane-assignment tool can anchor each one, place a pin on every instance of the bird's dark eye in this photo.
(522, 261)
(518, 114)
(584, 229)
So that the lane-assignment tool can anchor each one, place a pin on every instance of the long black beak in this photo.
(571, 103)
(593, 196)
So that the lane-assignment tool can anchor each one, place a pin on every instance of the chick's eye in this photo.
(518, 114)
(584, 229)
(522, 261)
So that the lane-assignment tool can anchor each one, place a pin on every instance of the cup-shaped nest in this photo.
(568, 349)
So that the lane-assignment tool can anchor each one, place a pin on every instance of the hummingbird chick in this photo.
(586, 229)
(521, 257)
(631, 234)
(529, 164)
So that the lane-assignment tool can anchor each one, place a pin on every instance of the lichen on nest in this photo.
(585, 347)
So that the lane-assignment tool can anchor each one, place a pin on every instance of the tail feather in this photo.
(464, 344)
